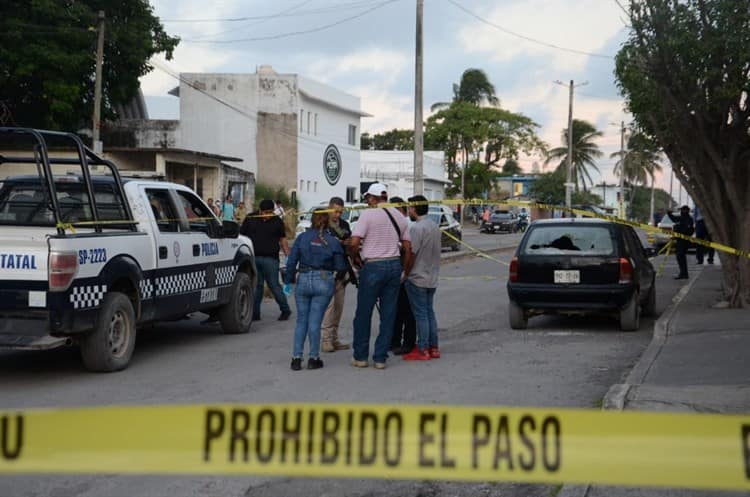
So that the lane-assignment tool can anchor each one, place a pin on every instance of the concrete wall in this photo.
(208, 125)
(277, 150)
(141, 133)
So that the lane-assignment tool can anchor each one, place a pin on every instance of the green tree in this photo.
(395, 139)
(549, 188)
(684, 74)
(585, 150)
(48, 55)
(479, 182)
(640, 163)
(640, 203)
(475, 88)
(511, 167)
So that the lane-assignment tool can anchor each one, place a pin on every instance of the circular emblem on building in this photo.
(332, 164)
(176, 249)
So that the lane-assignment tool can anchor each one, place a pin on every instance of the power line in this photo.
(527, 38)
(296, 33)
(319, 10)
(278, 14)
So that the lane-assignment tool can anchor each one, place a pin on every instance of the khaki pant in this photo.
(332, 318)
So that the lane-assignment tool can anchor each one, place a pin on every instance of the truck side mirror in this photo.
(230, 229)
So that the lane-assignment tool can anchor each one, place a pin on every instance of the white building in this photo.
(290, 131)
(395, 169)
(610, 194)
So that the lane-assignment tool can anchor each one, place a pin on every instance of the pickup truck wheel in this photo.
(630, 315)
(109, 346)
(517, 317)
(237, 315)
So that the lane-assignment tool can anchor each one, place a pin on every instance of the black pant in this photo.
(681, 255)
(405, 328)
(702, 232)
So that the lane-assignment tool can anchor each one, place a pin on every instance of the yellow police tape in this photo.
(385, 441)
(512, 203)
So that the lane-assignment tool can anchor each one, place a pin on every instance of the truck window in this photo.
(198, 216)
(164, 212)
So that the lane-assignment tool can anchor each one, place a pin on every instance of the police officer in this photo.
(701, 231)
(684, 226)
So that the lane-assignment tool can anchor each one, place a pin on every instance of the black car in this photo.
(499, 221)
(580, 265)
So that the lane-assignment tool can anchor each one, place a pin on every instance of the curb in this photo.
(617, 395)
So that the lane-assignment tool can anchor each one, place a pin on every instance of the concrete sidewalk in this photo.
(697, 362)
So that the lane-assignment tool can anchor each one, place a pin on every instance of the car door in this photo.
(170, 281)
(642, 265)
(208, 253)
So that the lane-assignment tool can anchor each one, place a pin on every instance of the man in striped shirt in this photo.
(377, 240)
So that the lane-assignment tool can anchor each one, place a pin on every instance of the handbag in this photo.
(402, 252)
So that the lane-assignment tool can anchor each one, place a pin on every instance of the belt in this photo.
(314, 270)
(381, 259)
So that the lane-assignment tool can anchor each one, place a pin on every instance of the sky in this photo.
(368, 50)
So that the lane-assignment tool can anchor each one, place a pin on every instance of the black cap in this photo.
(684, 208)
(267, 205)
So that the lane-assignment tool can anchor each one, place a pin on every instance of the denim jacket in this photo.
(311, 252)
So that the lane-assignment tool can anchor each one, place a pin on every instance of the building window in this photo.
(315, 187)
(301, 185)
(309, 117)
(316, 124)
(352, 135)
(301, 117)
(351, 194)
(308, 185)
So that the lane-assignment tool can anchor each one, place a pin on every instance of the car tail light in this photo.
(513, 273)
(63, 267)
(626, 271)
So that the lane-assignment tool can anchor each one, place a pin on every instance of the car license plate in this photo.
(567, 276)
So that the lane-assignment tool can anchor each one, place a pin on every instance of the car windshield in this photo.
(502, 215)
(435, 217)
(578, 240)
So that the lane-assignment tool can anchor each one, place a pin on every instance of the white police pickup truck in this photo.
(87, 257)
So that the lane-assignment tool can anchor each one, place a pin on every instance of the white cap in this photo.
(376, 189)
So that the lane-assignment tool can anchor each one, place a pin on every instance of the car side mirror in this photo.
(649, 252)
(230, 229)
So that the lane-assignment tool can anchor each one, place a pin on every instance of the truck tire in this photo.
(630, 315)
(236, 316)
(109, 346)
(516, 316)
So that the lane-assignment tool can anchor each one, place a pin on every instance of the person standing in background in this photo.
(227, 209)
(701, 231)
(316, 257)
(340, 229)
(405, 329)
(212, 206)
(268, 235)
(279, 209)
(684, 226)
(240, 212)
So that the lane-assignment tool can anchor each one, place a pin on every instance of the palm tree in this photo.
(640, 163)
(584, 152)
(475, 88)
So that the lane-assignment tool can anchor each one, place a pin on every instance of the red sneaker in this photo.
(434, 352)
(417, 355)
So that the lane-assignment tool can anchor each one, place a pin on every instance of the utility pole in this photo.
(671, 181)
(96, 143)
(569, 176)
(418, 121)
(622, 169)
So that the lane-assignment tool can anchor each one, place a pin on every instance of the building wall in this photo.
(207, 125)
(395, 168)
(332, 129)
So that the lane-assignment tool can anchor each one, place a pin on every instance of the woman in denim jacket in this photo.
(316, 259)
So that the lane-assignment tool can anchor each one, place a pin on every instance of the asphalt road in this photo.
(558, 361)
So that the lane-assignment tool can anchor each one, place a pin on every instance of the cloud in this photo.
(385, 65)
(585, 25)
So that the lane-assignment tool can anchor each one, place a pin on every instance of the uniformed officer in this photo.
(683, 225)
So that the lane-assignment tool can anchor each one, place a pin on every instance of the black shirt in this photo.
(343, 232)
(684, 223)
(265, 234)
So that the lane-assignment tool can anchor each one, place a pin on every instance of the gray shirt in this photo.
(425, 245)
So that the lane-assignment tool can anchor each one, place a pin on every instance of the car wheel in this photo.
(109, 346)
(649, 308)
(517, 316)
(630, 314)
(236, 316)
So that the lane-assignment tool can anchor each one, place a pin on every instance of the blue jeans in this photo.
(379, 280)
(312, 295)
(268, 271)
(421, 300)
